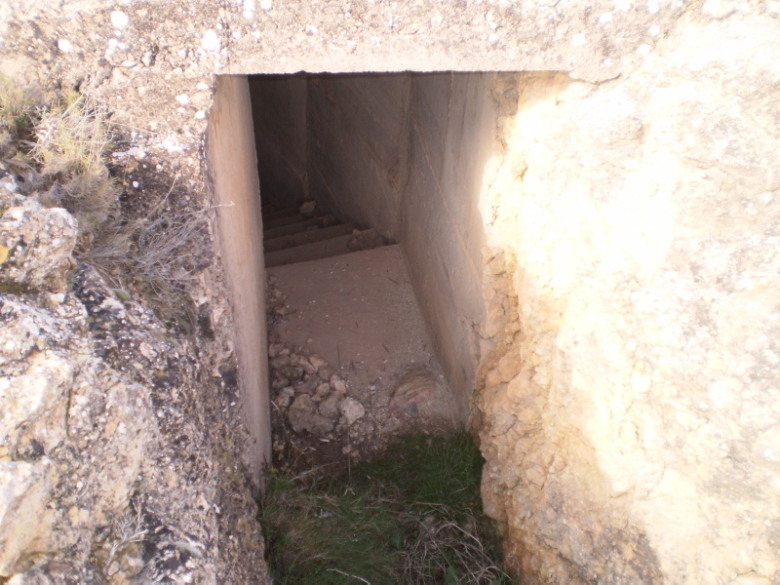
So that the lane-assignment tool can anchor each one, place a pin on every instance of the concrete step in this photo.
(306, 237)
(360, 240)
(301, 226)
(284, 220)
(270, 212)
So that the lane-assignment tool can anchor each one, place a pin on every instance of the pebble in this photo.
(352, 410)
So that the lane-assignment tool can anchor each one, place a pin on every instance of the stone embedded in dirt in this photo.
(275, 349)
(413, 389)
(307, 208)
(419, 393)
(317, 361)
(307, 366)
(303, 416)
(352, 410)
(280, 361)
(326, 372)
(329, 408)
(307, 386)
(322, 390)
(338, 385)
(285, 397)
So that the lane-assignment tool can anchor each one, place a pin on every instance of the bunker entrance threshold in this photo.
(342, 160)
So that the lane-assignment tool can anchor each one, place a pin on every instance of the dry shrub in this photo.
(55, 146)
(72, 138)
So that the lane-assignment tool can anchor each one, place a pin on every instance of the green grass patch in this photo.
(411, 516)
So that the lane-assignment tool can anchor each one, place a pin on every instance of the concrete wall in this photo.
(281, 137)
(233, 174)
(359, 147)
(452, 127)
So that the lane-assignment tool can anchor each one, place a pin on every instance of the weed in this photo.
(70, 146)
(16, 116)
(410, 516)
(55, 146)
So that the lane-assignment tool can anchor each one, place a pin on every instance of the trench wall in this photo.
(630, 422)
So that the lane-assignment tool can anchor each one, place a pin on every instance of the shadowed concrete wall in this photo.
(233, 170)
(359, 147)
(452, 130)
(279, 108)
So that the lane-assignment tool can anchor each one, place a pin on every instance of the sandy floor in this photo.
(357, 312)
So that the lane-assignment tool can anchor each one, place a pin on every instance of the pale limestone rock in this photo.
(329, 408)
(25, 519)
(647, 269)
(34, 404)
(303, 416)
(36, 245)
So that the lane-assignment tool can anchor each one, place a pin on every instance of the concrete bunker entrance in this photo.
(369, 186)
(383, 174)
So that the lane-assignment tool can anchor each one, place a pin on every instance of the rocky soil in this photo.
(117, 452)
(320, 418)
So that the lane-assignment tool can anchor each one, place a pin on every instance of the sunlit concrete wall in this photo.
(232, 167)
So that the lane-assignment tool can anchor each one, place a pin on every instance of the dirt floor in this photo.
(351, 362)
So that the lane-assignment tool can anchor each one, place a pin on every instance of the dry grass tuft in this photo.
(71, 141)
(55, 146)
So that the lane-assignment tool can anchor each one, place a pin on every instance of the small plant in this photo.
(55, 146)
(16, 114)
(411, 516)
(70, 146)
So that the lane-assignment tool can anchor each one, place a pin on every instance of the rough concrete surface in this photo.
(232, 167)
(627, 360)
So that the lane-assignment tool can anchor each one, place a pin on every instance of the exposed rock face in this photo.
(112, 467)
(630, 413)
(35, 243)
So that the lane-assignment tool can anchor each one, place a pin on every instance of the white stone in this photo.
(65, 45)
(119, 19)
(210, 41)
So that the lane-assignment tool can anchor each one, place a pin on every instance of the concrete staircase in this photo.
(290, 237)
